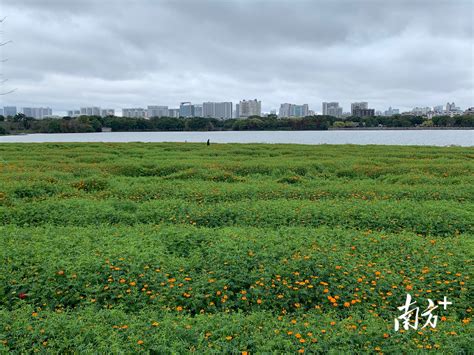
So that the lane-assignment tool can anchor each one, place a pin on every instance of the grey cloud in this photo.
(121, 53)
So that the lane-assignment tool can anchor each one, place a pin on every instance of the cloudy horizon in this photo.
(127, 53)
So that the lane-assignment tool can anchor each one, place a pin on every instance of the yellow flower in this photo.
(229, 338)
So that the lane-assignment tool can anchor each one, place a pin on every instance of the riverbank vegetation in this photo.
(185, 247)
(83, 124)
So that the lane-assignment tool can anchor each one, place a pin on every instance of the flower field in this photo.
(174, 248)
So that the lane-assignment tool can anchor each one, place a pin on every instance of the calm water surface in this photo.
(385, 137)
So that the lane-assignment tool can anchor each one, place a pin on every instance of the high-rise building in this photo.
(137, 112)
(173, 112)
(292, 110)
(217, 109)
(450, 107)
(392, 111)
(438, 109)
(363, 112)
(197, 110)
(90, 111)
(421, 111)
(74, 113)
(157, 111)
(9, 111)
(332, 109)
(186, 109)
(107, 112)
(249, 108)
(37, 112)
(358, 106)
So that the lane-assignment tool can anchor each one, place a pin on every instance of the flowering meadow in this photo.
(183, 247)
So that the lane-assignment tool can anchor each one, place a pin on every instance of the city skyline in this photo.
(224, 110)
(83, 56)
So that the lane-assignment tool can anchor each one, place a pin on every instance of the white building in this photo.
(134, 112)
(74, 113)
(358, 106)
(292, 110)
(421, 111)
(173, 112)
(438, 109)
(197, 110)
(249, 108)
(392, 111)
(332, 109)
(157, 111)
(217, 109)
(37, 112)
(9, 111)
(107, 112)
(90, 111)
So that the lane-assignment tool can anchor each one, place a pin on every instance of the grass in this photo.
(173, 248)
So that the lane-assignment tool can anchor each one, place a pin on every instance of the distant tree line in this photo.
(20, 123)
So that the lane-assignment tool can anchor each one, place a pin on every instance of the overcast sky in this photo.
(124, 53)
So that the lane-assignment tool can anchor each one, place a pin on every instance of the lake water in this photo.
(384, 137)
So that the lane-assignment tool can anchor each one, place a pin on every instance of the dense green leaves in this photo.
(230, 248)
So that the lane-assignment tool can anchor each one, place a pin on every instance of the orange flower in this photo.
(140, 342)
(347, 304)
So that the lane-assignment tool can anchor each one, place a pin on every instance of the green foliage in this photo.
(173, 248)
(85, 124)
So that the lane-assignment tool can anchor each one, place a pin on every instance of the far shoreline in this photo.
(264, 130)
